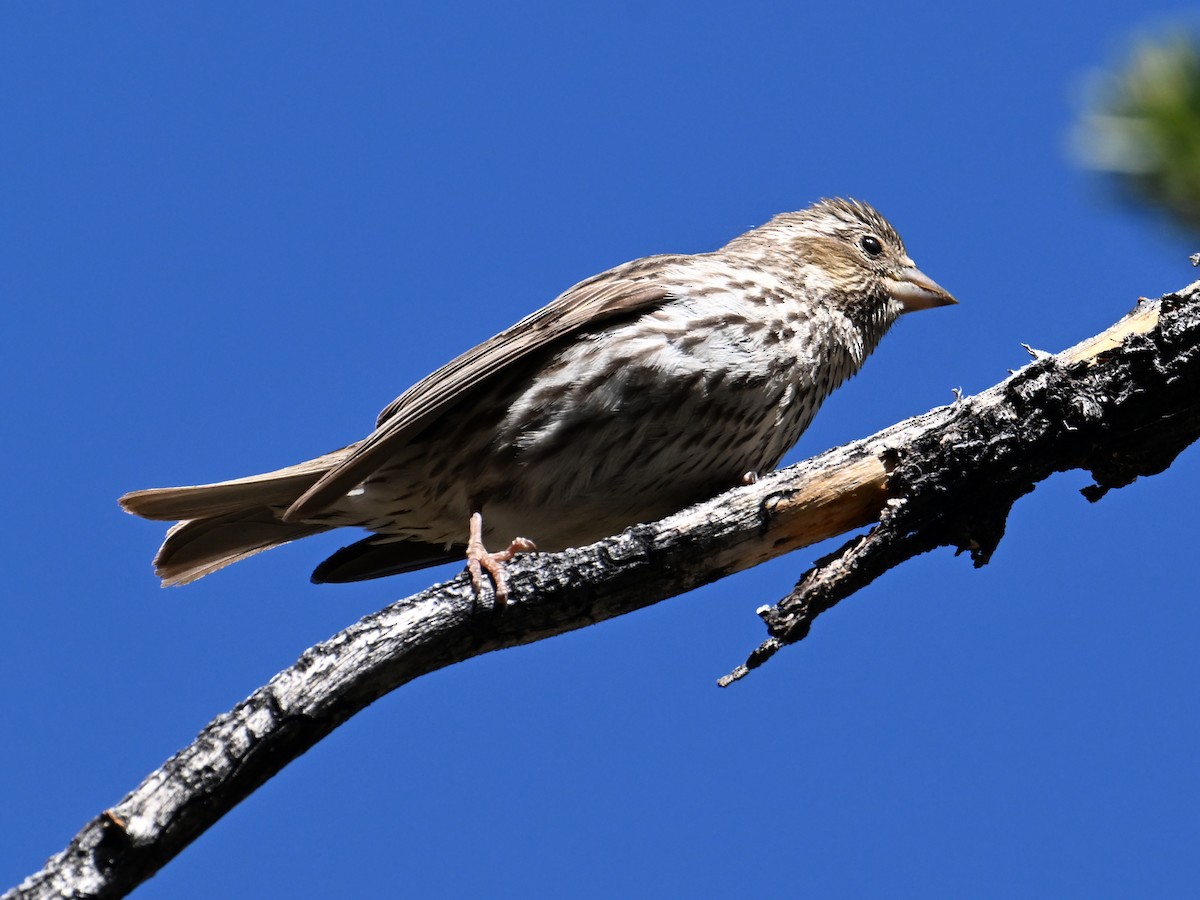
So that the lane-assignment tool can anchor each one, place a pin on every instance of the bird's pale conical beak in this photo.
(915, 290)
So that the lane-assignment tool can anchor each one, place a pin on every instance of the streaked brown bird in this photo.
(635, 393)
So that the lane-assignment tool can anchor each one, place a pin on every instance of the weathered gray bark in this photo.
(1119, 405)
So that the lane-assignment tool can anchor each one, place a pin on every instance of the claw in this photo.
(479, 560)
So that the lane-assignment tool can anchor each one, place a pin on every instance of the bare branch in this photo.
(1120, 405)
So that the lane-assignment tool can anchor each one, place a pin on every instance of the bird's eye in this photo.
(870, 245)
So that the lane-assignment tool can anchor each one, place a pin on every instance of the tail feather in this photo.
(278, 488)
(198, 547)
(222, 523)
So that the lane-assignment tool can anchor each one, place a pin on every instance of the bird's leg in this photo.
(480, 561)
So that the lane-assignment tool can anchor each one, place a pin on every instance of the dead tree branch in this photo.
(1120, 405)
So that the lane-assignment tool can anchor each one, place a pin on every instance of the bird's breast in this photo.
(638, 421)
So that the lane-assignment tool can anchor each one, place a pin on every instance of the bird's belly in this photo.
(603, 474)
(568, 486)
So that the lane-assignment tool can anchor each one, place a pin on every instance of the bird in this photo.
(635, 393)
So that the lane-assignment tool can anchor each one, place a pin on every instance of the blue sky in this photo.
(233, 232)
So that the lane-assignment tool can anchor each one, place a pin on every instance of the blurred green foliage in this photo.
(1144, 126)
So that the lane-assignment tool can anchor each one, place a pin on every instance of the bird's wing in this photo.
(625, 290)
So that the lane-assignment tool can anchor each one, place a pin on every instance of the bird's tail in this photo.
(219, 524)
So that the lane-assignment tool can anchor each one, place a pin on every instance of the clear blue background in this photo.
(233, 232)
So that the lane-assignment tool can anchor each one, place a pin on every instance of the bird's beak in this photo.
(915, 290)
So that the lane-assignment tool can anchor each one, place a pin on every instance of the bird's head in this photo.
(847, 248)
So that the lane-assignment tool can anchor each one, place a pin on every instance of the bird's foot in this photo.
(479, 560)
